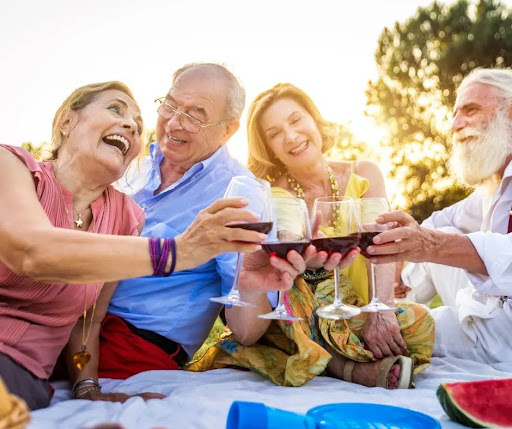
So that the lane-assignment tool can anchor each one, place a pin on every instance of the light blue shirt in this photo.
(178, 307)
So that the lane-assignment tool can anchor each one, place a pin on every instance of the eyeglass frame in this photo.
(202, 125)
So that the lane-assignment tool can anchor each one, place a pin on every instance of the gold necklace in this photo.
(297, 188)
(299, 191)
(82, 357)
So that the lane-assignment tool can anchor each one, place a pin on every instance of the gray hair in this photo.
(501, 79)
(236, 92)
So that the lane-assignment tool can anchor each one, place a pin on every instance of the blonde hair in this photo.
(262, 162)
(79, 99)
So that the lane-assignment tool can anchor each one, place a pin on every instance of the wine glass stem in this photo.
(373, 281)
(234, 289)
(280, 300)
(337, 300)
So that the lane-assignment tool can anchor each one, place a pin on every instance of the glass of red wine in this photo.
(335, 229)
(291, 231)
(368, 209)
(259, 195)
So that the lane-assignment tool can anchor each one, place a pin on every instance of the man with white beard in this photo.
(472, 267)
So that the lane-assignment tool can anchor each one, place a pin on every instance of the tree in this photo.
(420, 64)
(39, 152)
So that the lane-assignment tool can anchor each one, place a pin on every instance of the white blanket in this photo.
(202, 400)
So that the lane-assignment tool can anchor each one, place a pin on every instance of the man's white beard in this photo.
(481, 158)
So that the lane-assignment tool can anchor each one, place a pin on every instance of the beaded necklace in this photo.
(299, 192)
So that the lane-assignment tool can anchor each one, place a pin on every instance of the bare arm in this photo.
(261, 274)
(31, 246)
(414, 243)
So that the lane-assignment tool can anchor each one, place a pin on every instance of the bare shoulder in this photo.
(340, 168)
(367, 169)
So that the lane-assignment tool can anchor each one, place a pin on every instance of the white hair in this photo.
(501, 79)
(236, 92)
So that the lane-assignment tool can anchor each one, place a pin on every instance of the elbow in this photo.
(27, 259)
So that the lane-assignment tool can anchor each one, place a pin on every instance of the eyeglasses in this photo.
(187, 122)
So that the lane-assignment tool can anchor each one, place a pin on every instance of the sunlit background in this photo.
(50, 47)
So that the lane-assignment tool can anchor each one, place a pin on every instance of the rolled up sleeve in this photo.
(495, 250)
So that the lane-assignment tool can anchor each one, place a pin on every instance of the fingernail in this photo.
(258, 247)
(375, 359)
(379, 219)
(377, 239)
(370, 250)
(244, 200)
(263, 236)
(373, 261)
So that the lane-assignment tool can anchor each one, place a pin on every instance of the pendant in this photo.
(79, 222)
(81, 358)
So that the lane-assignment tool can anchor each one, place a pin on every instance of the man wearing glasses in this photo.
(160, 322)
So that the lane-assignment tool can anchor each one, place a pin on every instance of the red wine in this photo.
(366, 240)
(263, 227)
(282, 249)
(336, 244)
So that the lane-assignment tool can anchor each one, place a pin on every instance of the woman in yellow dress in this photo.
(287, 141)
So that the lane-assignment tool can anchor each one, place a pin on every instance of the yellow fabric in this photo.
(290, 354)
(14, 413)
(356, 272)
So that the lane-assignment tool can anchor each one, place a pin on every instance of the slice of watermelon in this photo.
(478, 404)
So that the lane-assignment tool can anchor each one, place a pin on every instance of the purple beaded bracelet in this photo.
(159, 256)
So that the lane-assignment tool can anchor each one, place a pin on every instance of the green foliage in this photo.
(420, 63)
(346, 147)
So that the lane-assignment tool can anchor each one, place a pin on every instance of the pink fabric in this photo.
(36, 318)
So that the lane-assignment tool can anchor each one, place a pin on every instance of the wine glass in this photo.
(291, 231)
(368, 209)
(335, 230)
(259, 195)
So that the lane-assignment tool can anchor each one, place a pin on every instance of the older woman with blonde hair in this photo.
(65, 231)
(288, 142)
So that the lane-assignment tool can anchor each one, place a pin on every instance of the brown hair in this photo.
(79, 99)
(262, 162)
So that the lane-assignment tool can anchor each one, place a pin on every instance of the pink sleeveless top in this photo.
(36, 318)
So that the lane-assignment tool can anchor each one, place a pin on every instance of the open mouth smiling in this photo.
(175, 139)
(299, 148)
(118, 141)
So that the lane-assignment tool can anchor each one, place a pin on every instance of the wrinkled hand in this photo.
(315, 259)
(400, 290)
(208, 236)
(262, 273)
(407, 242)
(118, 397)
(381, 335)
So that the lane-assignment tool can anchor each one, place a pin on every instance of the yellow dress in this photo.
(290, 354)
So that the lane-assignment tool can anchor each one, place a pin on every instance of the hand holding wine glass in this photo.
(368, 210)
(258, 193)
(290, 232)
(336, 230)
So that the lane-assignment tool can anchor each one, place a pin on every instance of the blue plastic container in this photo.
(254, 415)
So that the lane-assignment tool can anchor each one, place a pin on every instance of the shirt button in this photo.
(144, 205)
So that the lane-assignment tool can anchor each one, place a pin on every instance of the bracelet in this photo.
(85, 383)
(160, 255)
(91, 388)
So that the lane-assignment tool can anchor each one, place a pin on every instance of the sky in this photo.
(50, 47)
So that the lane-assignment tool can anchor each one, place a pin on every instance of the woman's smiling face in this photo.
(290, 131)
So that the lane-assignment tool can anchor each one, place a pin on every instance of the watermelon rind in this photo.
(467, 404)
(454, 411)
